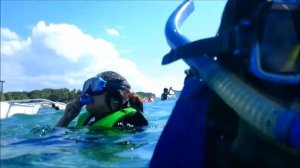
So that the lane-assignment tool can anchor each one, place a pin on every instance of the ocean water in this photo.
(33, 141)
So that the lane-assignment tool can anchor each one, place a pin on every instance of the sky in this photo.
(61, 43)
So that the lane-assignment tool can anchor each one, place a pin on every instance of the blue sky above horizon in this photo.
(60, 44)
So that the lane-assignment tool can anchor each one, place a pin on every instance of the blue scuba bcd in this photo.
(184, 131)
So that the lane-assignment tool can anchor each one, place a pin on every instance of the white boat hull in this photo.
(28, 106)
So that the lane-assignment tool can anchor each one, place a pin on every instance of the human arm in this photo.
(174, 90)
(72, 110)
(171, 89)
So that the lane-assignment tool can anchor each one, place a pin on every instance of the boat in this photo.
(28, 106)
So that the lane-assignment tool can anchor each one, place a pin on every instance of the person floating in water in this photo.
(109, 104)
(240, 104)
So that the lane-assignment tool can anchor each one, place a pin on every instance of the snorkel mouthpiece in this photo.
(85, 100)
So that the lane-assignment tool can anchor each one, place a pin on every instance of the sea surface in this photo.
(33, 141)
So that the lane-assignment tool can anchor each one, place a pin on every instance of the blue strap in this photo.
(181, 143)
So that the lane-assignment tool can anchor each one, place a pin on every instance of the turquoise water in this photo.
(32, 141)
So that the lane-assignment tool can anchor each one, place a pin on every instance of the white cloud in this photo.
(11, 43)
(113, 32)
(62, 56)
(70, 42)
(7, 34)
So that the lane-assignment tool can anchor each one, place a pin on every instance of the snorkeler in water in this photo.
(167, 92)
(109, 103)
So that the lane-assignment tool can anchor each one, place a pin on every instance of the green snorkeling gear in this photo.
(108, 121)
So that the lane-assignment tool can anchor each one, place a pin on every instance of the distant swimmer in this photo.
(151, 99)
(164, 95)
(148, 99)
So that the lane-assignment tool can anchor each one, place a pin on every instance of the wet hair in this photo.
(166, 89)
(136, 101)
(122, 93)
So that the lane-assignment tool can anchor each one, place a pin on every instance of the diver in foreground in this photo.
(240, 103)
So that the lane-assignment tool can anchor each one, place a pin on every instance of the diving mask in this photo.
(97, 86)
(270, 38)
(276, 54)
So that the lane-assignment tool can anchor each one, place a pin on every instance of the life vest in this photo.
(107, 121)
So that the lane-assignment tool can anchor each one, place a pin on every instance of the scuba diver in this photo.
(240, 105)
(109, 104)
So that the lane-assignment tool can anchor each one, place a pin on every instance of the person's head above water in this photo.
(118, 89)
(106, 93)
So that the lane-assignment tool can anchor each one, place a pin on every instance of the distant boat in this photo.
(28, 106)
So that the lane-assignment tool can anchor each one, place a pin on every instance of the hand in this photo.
(72, 110)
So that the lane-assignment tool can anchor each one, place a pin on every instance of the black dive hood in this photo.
(274, 120)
